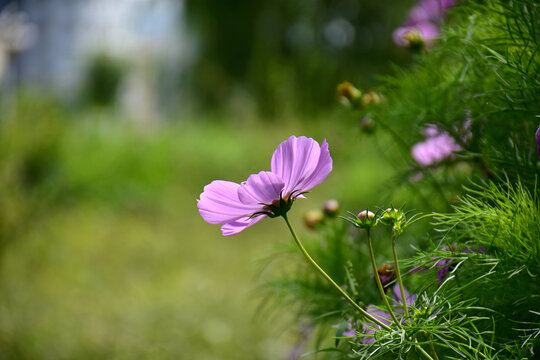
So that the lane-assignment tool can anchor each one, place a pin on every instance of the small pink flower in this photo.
(425, 31)
(429, 11)
(434, 150)
(298, 165)
(437, 147)
(422, 26)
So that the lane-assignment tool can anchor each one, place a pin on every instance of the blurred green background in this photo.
(105, 145)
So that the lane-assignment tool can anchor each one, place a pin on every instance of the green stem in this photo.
(327, 277)
(378, 280)
(433, 350)
(422, 351)
(398, 273)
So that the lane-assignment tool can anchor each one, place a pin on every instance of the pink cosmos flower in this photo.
(425, 31)
(298, 165)
(434, 149)
(438, 146)
(429, 11)
(422, 26)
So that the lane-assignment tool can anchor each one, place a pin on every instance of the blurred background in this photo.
(113, 117)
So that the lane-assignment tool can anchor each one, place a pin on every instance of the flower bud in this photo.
(393, 215)
(347, 91)
(312, 218)
(367, 125)
(395, 218)
(365, 215)
(364, 220)
(370, 98)
(386, 275)
(331, 207)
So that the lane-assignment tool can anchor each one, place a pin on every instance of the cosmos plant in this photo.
(298, 165)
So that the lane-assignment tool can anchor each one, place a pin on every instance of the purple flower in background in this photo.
(429, 11)
(423, 23)
(444, 266)
(298, 165)
(369, 329)
(418, 34)
(538, 140)
(438, 146)
(398, 300)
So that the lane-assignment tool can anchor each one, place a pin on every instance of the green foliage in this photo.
(485, 70)
(279, 54)
(103, 77)
(28, 163)
(502, 218)
(98, 227)
(476, 273)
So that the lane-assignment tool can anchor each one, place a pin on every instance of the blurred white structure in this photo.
(144, 33)
(16, 35)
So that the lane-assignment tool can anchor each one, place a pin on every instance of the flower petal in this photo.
(369, 328)
(261, 188)
(428, 32)
(237, 226)
(301, 163)
(219, 203)
(434, 149)
(398, 299)
(322, 170)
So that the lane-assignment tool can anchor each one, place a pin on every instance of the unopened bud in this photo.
(331, 207)
(386, 275)
(364, 220)
(365, 214)
(393, 217)
(347, 91)
(312, 218)
(370, 98)
(367, 125)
